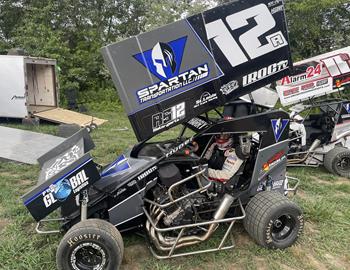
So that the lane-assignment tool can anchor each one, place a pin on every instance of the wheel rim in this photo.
(344, 164)
(89, 256)
(282, 227)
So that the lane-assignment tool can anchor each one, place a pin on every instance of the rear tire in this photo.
(337, 161)
(90, 244)
(273, 221)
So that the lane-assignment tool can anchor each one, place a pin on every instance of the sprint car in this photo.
(180, 74)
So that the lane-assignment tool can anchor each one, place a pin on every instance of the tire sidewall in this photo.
(93, 237)
(296, 214)
(338, 158)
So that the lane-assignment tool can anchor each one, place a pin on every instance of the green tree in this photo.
(11, 13)
(73, 31)
(317, 26)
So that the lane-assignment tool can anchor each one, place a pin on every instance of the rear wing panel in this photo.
(66, 170)
(317, 76)
(53, 193)
(170, 75)
(64, 154)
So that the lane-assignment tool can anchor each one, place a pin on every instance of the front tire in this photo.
(273, 221)
(90, 244)
(337, 161)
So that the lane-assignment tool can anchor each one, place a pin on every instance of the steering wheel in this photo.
(189, 149)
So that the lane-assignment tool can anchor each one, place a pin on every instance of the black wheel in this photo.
(90, 244)
(337, 161)
(272, 220)
(93, 126)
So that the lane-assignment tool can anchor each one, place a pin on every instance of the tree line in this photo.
(73, 31)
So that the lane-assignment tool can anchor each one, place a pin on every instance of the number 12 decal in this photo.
(249, 40)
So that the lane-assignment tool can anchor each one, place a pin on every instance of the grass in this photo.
(324, 198)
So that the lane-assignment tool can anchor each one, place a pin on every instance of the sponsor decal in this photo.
(179, 147)
(265, 72)
(277, 184)
(255, 42)
(274, 3)
(329, 67)
(274, 185)
(347, 107)
(168, 117)
(205, 98)
(63, 162)
(277, 158)
(87, 236)
(119, 165)
(261, 187)
(229, 87)
(230, 160)
(345, 117)
(49, 195)
(278, 126)
(146, 173)
(339, 82)
(276, 6)
(307, 86)
(291, 91)
(197, 123)
(312, 86)
(322, 82)
(121, 191)
(18, 97)
(164, 61)
(315, 78)
(132, 183)
(61, 190)
(311, 72)
(277, 9)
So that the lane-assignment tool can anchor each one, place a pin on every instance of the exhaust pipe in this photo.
(312, 148)
(166, 243)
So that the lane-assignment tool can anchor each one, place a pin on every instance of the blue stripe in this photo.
(121, 159)
(39, 193)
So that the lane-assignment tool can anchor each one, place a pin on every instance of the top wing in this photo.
(174, 73)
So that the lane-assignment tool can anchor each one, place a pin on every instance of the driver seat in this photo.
(235, 179)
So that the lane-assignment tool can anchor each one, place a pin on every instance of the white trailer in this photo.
(29, 89)
(27, 85)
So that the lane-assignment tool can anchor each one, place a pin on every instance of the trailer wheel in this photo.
(91, 244)
(273, 221)
(337, 161)
(93, 126)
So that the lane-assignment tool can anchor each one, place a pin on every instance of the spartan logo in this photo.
(347, 107)
(164, 59)
(278, 126)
